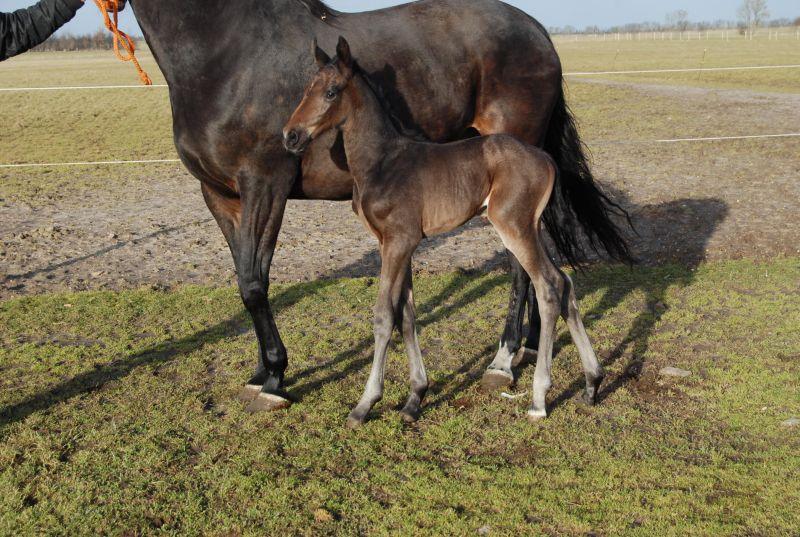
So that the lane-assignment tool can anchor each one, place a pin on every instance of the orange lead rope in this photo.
(120, 37)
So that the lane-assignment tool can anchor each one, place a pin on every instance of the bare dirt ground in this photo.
(689, 202)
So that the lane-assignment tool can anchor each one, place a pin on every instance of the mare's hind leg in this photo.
(499, 375)
(395, 258)
(511, 353)
(591, 367)
(418, 376)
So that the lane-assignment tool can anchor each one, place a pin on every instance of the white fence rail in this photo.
(573, 73)
(692, 35)
(590, 143)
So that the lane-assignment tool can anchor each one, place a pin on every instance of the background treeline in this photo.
(675, 22)
(100, 40)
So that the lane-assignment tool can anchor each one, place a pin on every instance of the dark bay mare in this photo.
(405, 190)
(449, 69)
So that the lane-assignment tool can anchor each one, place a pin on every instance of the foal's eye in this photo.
(330, 94)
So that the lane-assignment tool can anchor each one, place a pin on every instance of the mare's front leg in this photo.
(395, 258)
(252, 231)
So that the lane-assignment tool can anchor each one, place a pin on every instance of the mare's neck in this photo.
(204, 40)
(368, 132)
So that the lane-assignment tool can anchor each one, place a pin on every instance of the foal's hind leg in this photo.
(522, 109)
(418, 376)
(556, 296)
(524, 242)
(591, 367)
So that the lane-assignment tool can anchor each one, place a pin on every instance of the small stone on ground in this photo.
(791, 422)
(323, 515)
(670, 371)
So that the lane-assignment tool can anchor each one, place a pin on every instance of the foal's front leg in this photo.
(417, 374)
(395, 257)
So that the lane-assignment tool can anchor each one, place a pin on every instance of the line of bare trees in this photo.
(100, 40)
(752, 14)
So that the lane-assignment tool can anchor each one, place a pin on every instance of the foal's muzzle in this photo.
(296, 141)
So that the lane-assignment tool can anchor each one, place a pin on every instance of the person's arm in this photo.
(26, 28)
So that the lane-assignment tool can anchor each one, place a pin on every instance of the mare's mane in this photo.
(319, 9)
(388, 109)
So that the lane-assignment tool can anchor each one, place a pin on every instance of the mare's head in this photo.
(325, 103)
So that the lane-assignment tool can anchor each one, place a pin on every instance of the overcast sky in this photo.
(577, 13)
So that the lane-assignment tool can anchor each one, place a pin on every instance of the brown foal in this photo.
(406, 190)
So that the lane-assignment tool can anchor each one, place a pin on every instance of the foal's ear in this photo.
(343, 52)
(320, 56)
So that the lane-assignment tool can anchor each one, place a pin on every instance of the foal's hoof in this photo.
(536, 415)
(249, 392)
(354, 423)
(409, 416)
(589, 396)
(496, 379)
(268, 402)
(524, 355)
(588, 399)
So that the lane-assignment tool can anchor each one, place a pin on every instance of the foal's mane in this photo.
(319, 9)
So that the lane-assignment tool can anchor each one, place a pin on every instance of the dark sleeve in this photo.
(26, 28)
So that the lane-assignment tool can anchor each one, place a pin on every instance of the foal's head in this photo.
(325, 102)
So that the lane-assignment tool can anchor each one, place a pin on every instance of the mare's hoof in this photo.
(536, 415)
(249, 392)
(524, 356)
(354, 423)
(496, 379)
(268, 402)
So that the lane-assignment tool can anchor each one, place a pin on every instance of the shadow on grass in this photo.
(687, 224)
(172, 350)
(676, 231)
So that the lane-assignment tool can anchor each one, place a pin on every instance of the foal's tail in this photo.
(577, 202)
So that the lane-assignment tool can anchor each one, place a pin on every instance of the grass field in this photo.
(118, 414)
(135, 124)
(653, 55)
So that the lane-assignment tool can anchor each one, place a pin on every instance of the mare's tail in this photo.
(577, 203)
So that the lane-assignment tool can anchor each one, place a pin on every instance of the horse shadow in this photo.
(238, 324)
(676, 231)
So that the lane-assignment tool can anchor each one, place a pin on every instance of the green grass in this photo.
(589, 56)
(118, 413)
